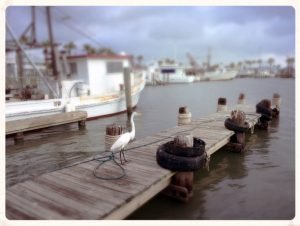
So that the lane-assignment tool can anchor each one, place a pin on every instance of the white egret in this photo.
(124, 139)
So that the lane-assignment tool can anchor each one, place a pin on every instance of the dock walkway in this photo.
(75, 193)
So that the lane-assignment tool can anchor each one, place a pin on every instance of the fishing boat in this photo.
(90, 82)
(95, 85)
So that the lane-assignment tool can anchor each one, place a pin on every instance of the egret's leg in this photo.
(124, 156)
(121, 157)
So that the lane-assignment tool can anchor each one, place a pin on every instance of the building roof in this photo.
(100, 56)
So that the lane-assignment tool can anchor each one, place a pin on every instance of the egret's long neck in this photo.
(132, 133)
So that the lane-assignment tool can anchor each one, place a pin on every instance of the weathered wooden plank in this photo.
(139, 199)
(23, 125)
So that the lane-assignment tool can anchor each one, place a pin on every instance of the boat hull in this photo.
(94, 106)
(220, 75)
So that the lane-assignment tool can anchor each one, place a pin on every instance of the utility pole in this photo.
(53, 52)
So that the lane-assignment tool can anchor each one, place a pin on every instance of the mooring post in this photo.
(19, 138)
(276, 101)
(222, 104)
(264, 108)
(113, 132)
(81, 124)
(184, 116)
(127, 84)
(241, 99)
(236, 123)
(181, 186)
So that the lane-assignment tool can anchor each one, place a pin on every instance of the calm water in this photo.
(259, 184)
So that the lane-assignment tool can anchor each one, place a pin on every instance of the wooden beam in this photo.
(23, 125)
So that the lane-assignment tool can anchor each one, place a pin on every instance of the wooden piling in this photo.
(181, 186)
(184, 116)
(276, 101)
(222, 104)
(113, 132)
(127, 84)
(241, 99)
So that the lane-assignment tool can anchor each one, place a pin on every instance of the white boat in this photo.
(95, 85)
(219, 75)
(168, 73)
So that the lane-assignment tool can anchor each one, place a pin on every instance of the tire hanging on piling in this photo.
(177, 158)
(197, 150)
(231, 125)
(179, 163)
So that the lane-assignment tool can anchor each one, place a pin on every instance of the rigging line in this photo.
(67, 20)
(73, 27)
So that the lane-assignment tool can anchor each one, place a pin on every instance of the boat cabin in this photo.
(94, 74)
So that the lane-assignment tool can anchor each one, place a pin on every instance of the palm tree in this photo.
(107, 51)
(290, 61)
(140, 58)
(89, 49)
(69, 47)
(271, 62)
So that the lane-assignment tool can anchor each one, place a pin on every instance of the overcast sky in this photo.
(232, 33)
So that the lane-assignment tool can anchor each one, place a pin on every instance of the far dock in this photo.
(75, 193)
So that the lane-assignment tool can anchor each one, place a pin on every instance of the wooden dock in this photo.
(18, 127)
(74, 192)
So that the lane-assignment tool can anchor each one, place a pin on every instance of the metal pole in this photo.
(33, 33)
(54, 67)
(53, 50)
(127, 84)
(20, 68)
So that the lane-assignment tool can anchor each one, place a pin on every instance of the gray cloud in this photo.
(233, 33)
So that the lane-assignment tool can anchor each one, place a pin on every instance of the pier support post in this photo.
(181, 186)
(241, 99)
(184, 116)
(237, 142)
(264, 108)
(81, 124)
(127, 84)
(237, 124)
(113, 132)
(19, 138)
(222, 104)
(276, 101)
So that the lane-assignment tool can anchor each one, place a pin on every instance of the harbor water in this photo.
(258, 184)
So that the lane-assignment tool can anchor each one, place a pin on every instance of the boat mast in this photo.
(53, 53)
(33, 31)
